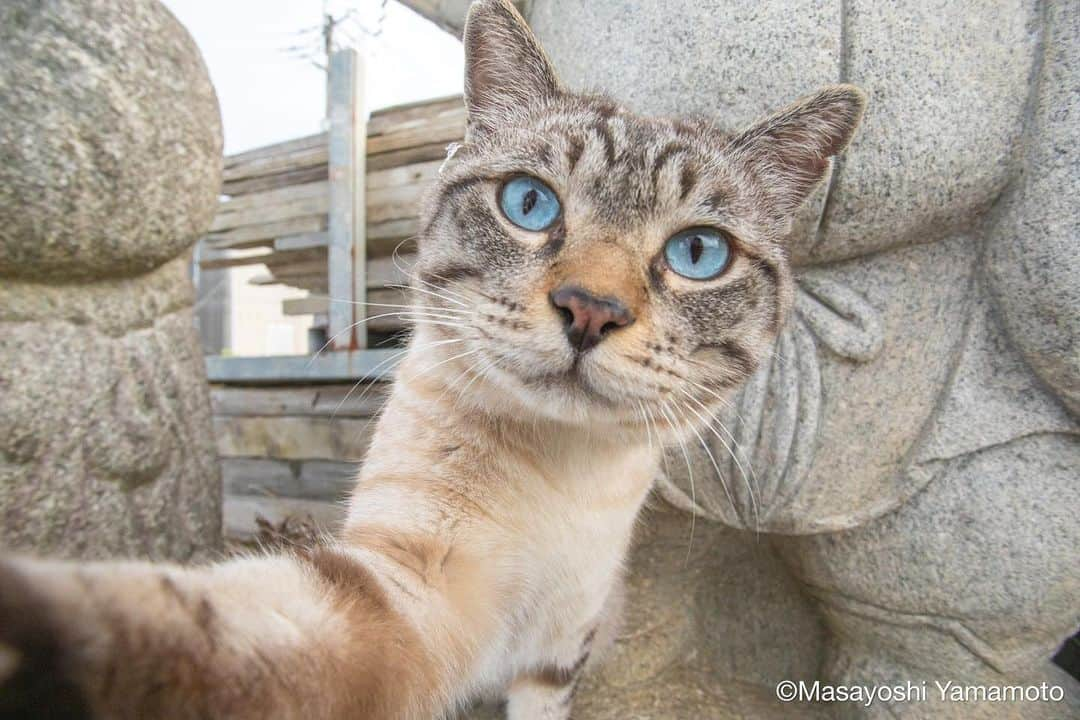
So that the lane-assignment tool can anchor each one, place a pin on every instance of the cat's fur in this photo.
(485, 540)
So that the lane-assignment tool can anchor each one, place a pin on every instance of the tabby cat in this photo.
(590, 285)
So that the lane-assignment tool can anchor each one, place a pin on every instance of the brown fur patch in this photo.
(386, 667)
(557, 676)
(345, 576)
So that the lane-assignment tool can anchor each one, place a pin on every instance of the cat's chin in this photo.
(567, 396)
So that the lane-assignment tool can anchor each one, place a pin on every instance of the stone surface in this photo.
(1032, 260)
(992, 595)
(110, 162)
(947, 85)
(110, 139)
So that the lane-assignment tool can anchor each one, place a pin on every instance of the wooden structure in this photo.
(299, 209)
(323, 213)
(290, 451)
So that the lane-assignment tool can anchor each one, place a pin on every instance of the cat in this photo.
(590, 285)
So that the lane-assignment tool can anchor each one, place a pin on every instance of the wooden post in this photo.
(347, 255)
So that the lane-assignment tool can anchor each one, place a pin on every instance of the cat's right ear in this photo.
(793, 150)
(505, 67)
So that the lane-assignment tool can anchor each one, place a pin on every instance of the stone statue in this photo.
(894, 497)
(110, 165)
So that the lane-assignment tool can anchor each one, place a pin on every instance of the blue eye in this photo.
(698, 253)
(529, 203)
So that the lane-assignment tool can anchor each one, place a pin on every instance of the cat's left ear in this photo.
(791, 151)
(505, 67)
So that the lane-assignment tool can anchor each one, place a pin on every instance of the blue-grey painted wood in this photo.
(347, 250)
(329, 366)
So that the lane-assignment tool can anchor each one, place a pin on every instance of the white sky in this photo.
(268, 95)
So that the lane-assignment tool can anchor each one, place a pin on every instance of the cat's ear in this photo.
(791, 151)
(505, 67)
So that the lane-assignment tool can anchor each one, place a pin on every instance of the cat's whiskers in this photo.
(394, 257)
(439, 364)
(728, 405)
(413, 288)
(645, 419)
(384, 363)
(464, 373)
(712, 459)
(690, 475)
(413, 306)
(413, 277)
(708, 421)
(725, 403)
(482, 373)
(404, 310)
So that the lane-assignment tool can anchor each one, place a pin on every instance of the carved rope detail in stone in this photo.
(764, 445)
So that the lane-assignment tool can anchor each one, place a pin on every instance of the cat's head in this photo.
(593, 265)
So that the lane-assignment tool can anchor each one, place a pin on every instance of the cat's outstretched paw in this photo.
(34, 679)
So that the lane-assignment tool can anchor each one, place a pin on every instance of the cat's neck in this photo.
(429, 420)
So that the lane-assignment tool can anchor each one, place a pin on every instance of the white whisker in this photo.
(708, 422)
(690, 474)
(712, 459)
(385, 362)
(428, 292)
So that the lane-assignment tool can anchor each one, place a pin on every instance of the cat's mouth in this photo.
(572, 380)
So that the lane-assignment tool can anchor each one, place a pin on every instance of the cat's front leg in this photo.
(547, 691)
(290, 637)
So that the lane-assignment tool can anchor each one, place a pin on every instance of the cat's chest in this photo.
(572, 558)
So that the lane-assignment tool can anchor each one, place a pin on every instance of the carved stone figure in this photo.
(110, 164)
(893, 498)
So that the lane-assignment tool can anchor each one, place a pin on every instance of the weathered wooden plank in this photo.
(293, 438)
(301, 143)
(279, 180)
(315, 284)
(404, 175)
(353, 400)
(307, 480)
(302, 241)
(381, 273)
(382, 247)
(385, 177)
(239, 513)
(228, 262)
(272, 197)
(296, 261)
(272, 165)
(443, 118)
(306, 258)
(256, 234)
(385, 313)
(311, 305)
(391, 193)
(387, 270)
(264, 214)
(387, 119)
(219, 243)
(393, 229)
(407, 156)
(445, 129)
(383, 204)
(284, 369)
(395, 203)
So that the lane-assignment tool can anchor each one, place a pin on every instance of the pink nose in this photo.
(589, 319)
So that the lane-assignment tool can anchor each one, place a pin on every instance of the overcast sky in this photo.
(268, 94)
